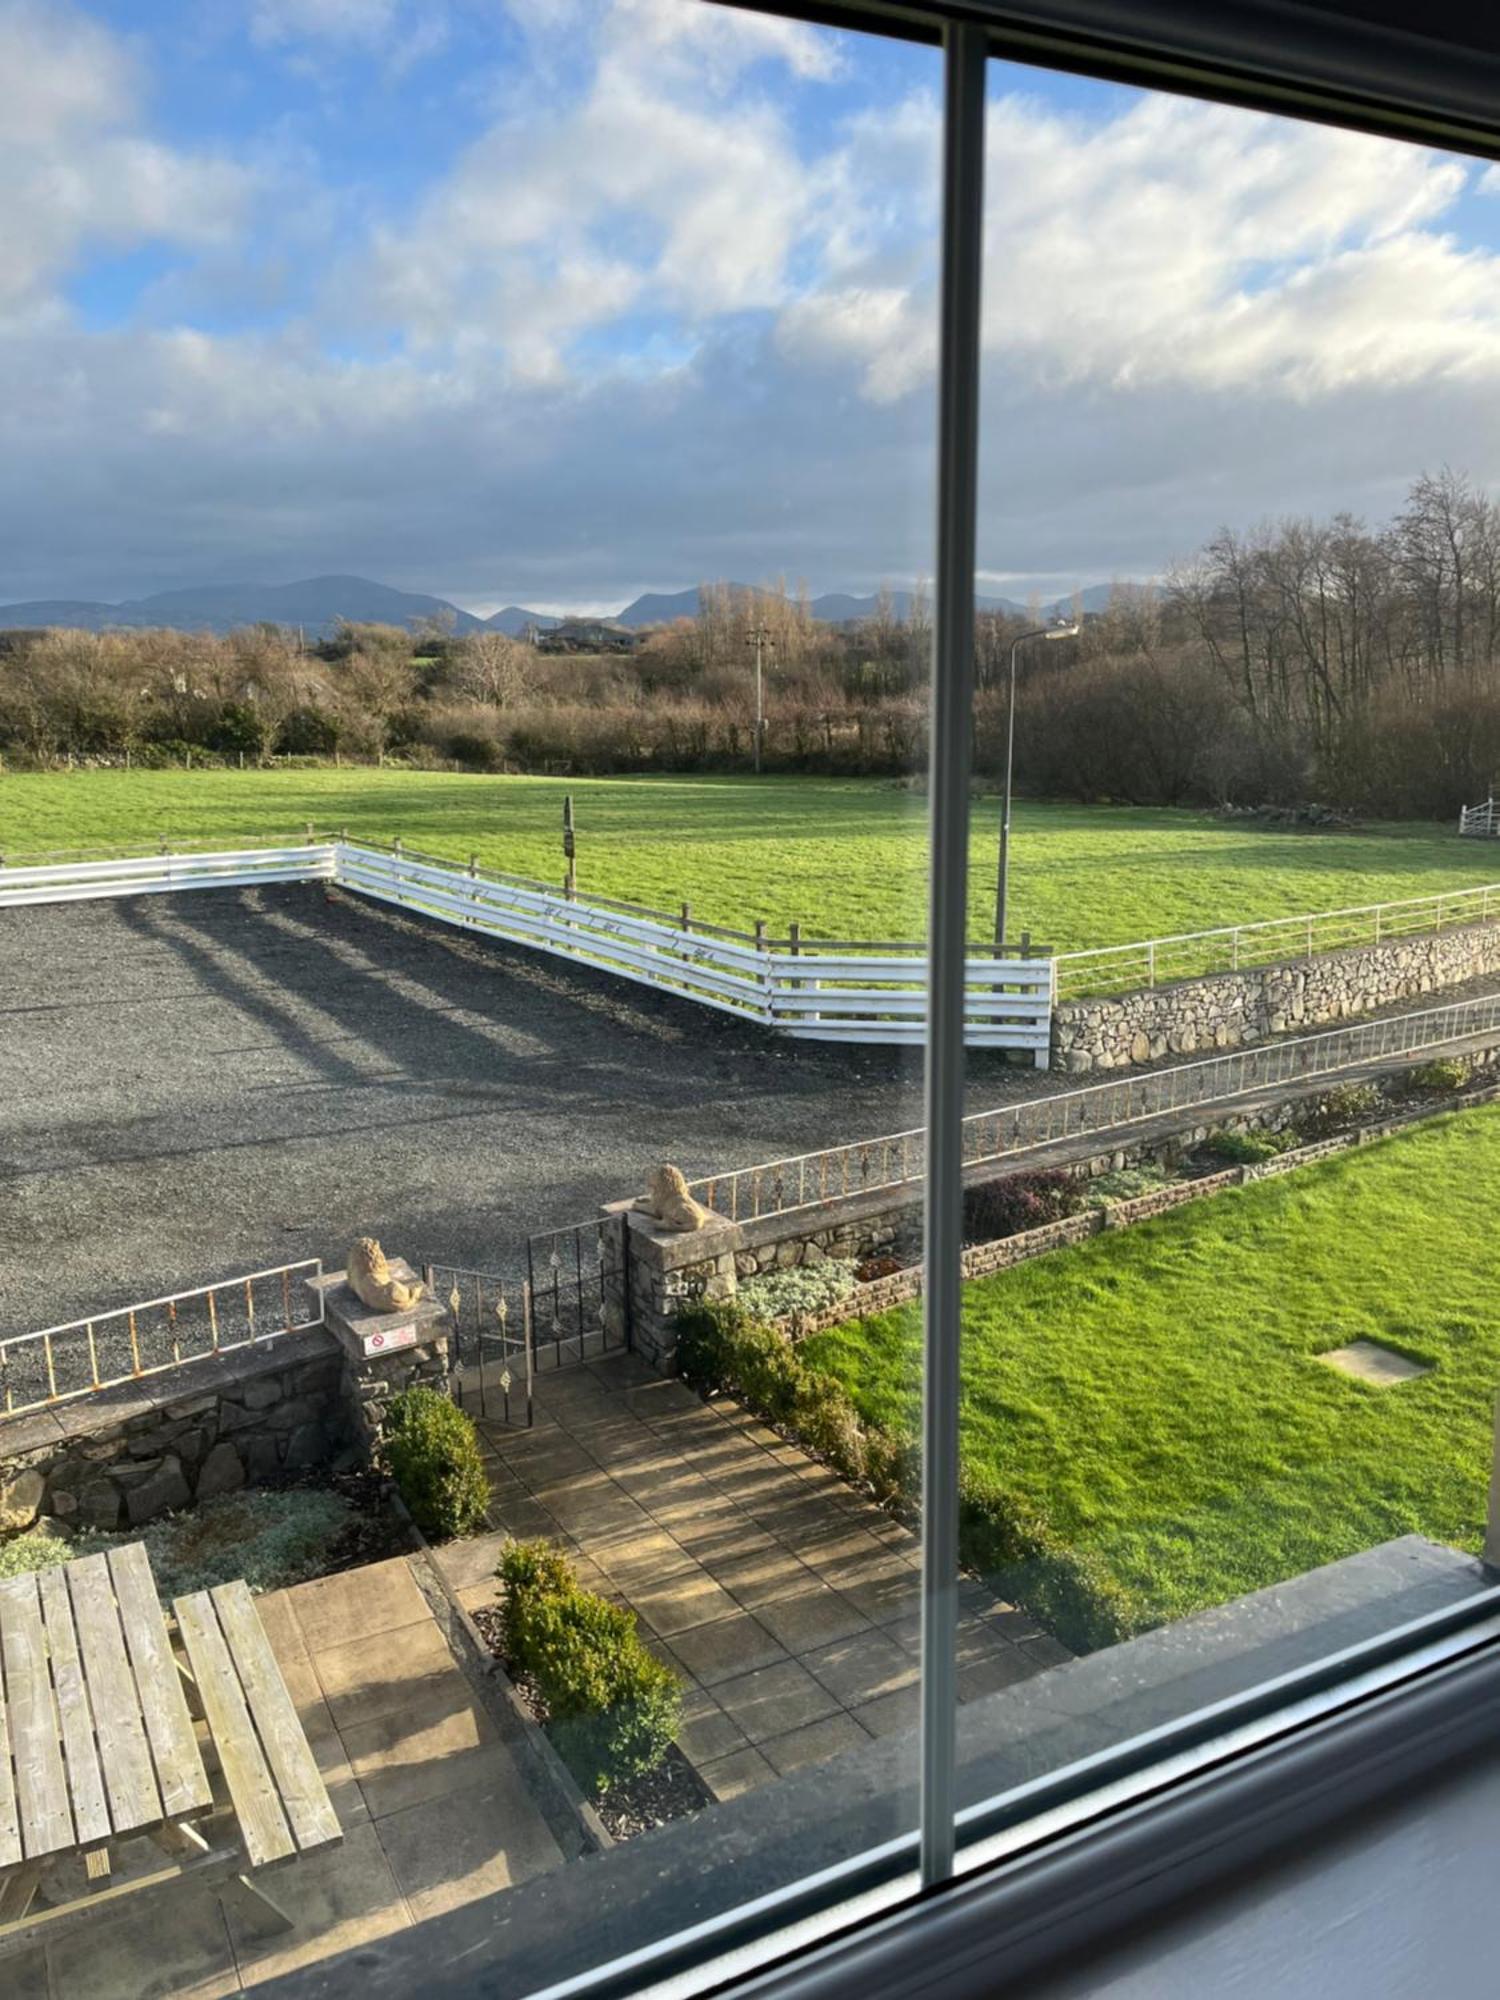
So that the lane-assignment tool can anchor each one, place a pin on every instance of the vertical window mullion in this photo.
(952, 732)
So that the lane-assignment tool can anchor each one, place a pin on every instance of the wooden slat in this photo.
(180, 1776)
(10, 1825)
(85, 1779)
(252, 1790)
(303, 1793)
(129, 1782)
(41, 1782)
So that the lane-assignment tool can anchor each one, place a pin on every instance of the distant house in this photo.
(588, 635)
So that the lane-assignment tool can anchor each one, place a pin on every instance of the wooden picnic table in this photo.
(99, 1743)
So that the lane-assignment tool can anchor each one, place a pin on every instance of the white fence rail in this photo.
(155, 874)
(1480, 822)
(1125, 968)
(812, 994)
(152, 1336)
(810, 991)
(808, 1180)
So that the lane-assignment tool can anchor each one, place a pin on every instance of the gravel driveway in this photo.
(197, 1085)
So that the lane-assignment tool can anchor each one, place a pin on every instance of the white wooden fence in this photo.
(155, 874)
(811, 993)
(838, 994)
(1480, 822)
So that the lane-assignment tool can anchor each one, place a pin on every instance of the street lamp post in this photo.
(1002, 886)
(759, 636)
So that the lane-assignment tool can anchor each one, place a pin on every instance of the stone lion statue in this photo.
(671, 1204)
(371, 1279)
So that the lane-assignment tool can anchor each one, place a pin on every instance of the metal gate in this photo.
(490, 1354)
(571, 1306)
(577, 1282)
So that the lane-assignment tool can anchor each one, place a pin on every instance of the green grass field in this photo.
(843, 858)
(1157, 1391)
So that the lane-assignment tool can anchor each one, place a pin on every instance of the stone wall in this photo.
(667, 1268)
(244, 1418)
(123, 1457)
(1230, 1010)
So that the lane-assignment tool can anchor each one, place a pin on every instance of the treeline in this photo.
(1303, 661)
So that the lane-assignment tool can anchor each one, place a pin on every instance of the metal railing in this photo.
(809, 1180)
(81, 1357)
(158, 874)
(1125, 968)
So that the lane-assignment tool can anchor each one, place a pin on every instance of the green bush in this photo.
(36, 1549)
(1124, 1185)
(802, 1289)
(1346, 1104)
(1010, 1542)
(720, 1346)
(432, 1449)
(827, 1422)
(1247, 1149)
(612, 1709)
(1445, 1073)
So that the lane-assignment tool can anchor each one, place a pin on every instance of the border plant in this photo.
(612, 1709)
(432, 1449)
(720, 1347)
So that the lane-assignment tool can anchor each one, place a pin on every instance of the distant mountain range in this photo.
(316, 604)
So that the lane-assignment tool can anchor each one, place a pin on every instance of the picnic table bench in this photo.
(98, 1743)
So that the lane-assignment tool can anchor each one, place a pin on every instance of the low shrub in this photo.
(432, 1449)
(612, 1709)
(1019, 1202)
(1445, 1073)
(1124, 1185)
(1010, 1542)
(799, 1291)
(1346, 1104)
(20, 1555)
(271, 1539)
(827, 1422)
(1247, 1149)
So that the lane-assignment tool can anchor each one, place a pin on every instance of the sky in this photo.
(557, 301)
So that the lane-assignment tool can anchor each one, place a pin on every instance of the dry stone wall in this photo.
(121, 1458)
(1230, 1010)
(245, 1418)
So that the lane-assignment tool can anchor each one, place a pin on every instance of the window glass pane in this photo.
(471, 471)
(1238, 440)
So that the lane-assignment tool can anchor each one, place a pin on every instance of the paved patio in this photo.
(434, 1810)
(788, 1602)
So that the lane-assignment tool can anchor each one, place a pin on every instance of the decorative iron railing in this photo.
(808, 1180)
(128, 1343)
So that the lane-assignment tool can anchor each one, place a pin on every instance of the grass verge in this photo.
(843, 858)
(1157, 1396)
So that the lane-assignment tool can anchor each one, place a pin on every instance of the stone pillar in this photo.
(384, 1353)
(664, 1268)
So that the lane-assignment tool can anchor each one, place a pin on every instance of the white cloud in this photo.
(640, 190)
(1179, 243)
(77, 170)
(323, 20)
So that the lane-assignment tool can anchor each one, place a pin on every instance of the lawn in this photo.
(1156, 1391)
(844, 858)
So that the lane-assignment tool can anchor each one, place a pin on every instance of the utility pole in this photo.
(759, 636)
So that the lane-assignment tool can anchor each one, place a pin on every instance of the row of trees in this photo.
(1357, 666)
